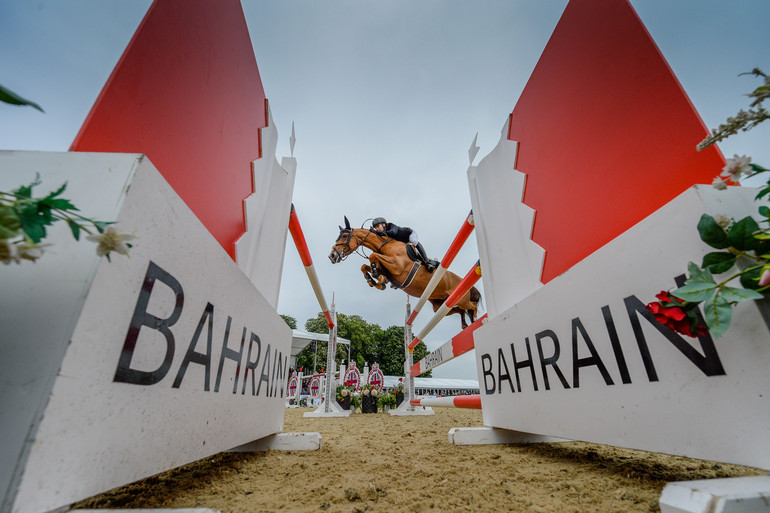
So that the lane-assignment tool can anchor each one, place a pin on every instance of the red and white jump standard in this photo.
(329, 408)
(459, 344)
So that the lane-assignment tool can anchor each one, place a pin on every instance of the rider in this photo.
(405, 235)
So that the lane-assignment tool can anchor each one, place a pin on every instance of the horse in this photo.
(390, 263)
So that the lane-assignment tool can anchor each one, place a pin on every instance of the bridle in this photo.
(347, 250)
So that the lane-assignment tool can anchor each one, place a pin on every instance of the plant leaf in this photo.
(718, 262)
(711, 233)
(34, 217)
(694, 291)
(57, 191)
(58, 203)
(741, 234)
(8, 96)
(736, 295)
(718, 314)
(101, 225)
(9, 222)
(75, 228)
(750, 279)
(25, 191)
(698, 275)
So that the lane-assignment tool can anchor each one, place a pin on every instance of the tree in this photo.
(393, 356)
(291, 321)
(368, 344)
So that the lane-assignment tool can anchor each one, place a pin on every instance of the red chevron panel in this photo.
(607, 134)
(187, 93)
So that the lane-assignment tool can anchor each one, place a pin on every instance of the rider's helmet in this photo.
(378, 220)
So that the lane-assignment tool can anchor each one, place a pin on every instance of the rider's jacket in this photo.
(400, 233)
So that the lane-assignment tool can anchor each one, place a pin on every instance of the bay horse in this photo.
(389, 263)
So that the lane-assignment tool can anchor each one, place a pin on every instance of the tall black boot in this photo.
(430, 265)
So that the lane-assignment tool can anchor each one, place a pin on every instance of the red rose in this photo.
(674, 313)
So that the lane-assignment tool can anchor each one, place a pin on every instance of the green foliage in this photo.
(369, 343)
(24, 223)
(745, 244)
(386, 399)
(742, 239)
(8, 96)
(291, 321)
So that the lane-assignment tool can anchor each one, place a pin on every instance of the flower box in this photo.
(368, 404)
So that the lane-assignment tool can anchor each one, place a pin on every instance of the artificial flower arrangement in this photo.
(24, 219)
(369, 399)
(743, 246)
(387, 400)
(343, 392)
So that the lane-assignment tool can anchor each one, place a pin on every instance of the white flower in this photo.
(723, 221)
(8, 252)
(736, 166)
(366, 391)
(375, 392)
(110, 241)
(31, 251)
(719, 183)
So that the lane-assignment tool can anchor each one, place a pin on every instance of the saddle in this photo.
(412, 253)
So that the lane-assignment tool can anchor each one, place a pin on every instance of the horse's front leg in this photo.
(377, 268)
(366, 270)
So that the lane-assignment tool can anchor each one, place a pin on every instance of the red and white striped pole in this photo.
(439, 273)
(304, 253)
(459, 345)
(464, 286)
(472, 402)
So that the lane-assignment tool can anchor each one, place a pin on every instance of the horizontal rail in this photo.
(454, 248)
(464, 286)
(472, 402)
(459, 345)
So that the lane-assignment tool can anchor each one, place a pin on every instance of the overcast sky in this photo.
(386, 98)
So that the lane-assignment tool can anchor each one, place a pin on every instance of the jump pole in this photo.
(472, 402)
(304, 253)
(406, 407)
(454, 248)
(464, 286)
(329, 408)
(458, 345)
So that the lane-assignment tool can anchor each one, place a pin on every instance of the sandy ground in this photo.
(376, 462)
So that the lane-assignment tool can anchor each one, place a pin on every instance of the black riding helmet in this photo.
(378, 220)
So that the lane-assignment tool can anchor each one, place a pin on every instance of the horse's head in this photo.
(345, 244)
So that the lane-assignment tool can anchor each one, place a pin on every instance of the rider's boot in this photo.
(430, 265)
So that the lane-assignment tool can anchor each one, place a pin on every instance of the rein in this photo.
(360, 244)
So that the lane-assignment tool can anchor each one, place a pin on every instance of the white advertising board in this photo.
(114, 371)
(582, 359)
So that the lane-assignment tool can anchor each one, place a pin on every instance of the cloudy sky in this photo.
(386, 98)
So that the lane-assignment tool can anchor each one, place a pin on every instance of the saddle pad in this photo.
(412, 253)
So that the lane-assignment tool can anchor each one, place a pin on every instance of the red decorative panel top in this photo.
(187, 93)
(607, 134)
